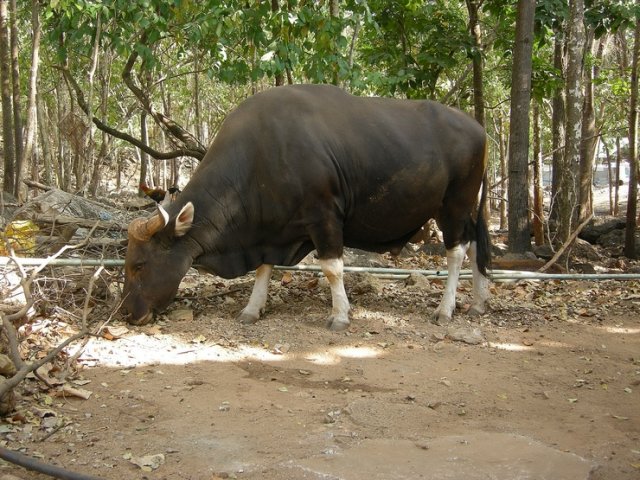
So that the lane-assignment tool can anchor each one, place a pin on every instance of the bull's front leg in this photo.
(251, 313)
(333, 270)
(455, 257)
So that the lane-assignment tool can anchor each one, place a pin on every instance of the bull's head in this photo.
(155, 263)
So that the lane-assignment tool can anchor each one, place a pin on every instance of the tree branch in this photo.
(566, 244)
(161, 119)
(180, 152)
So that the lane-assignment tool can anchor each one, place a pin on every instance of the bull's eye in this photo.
(138, 266)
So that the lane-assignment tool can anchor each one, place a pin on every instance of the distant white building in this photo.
(600, 174)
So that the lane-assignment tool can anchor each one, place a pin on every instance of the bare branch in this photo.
(165, 122)
(566, 244)
(23, 368)
(180, 152)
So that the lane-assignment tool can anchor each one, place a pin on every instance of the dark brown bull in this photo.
(308, 167)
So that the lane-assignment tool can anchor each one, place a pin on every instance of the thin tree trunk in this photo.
(503, 175)
(279, 77)
(63, 154)
(88, 160)
(196, 102)
(7, 108)
(17, 103)
(632, 198)
(519, 228)
(96, 176)
(144, 157)
(45, 139)
(538, 210)
(478, 82)
(558, 133)
(569, 188)
(616, 206)
(609, 176)
(32, 115)
(334, 13)
(589, 139)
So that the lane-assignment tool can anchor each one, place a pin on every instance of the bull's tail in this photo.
(483, 241)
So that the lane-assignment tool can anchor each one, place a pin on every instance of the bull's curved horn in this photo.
(143, 229)
(157, 222)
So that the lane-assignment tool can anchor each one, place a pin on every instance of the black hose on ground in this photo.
(31, 463)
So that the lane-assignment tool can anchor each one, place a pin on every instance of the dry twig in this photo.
(566, 244)
(26, 281)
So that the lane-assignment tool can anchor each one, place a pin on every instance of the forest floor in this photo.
(545, 385)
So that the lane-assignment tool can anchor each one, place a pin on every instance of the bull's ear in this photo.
(184, 220)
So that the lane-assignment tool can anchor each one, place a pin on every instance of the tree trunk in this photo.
(478, 83)
(616, 196)
(589, 140)
(88, 156)
(45, 139)
(32, 104)
(609, 175)
(630, 230)
(144, 157)
(96, 176)
(558, 133)
(196, 102)
(568, 192)
(279, 77)
(538, 210)
(334, 12)
(17, 103)
(503, 175)
(7, 109)
(519, 228)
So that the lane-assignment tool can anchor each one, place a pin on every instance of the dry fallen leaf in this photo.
(287, 278)
(111, 332)
(148, 463)
(75, 392)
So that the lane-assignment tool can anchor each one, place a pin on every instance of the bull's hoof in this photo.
(140, 321)
(440, 318)
(247, 319)
(337, 324)
(476, 310)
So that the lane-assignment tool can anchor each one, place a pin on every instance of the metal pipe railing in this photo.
(395, 272)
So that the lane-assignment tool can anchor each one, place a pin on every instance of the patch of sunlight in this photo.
(358, 352)
(511, 347)
(622, 330)
(335, 355)
(134, 350)
(139, 350)
(553, 344)
(323, 358)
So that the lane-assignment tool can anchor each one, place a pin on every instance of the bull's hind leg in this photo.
(251, 313)
(333, 270)
(480, 284)
(455, 257)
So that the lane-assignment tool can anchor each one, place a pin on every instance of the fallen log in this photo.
(80, 222)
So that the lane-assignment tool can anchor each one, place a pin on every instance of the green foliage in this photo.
(609, 16)
(405, 48)
(411, 45)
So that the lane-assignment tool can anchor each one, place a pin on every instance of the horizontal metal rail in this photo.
(389, 272)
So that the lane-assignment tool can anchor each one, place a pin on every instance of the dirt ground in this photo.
(552, 389)
(546, 385)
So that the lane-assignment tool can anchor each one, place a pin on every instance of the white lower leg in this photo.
(480, 284)
(333, 270)
(455, 256)
(258, 299)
